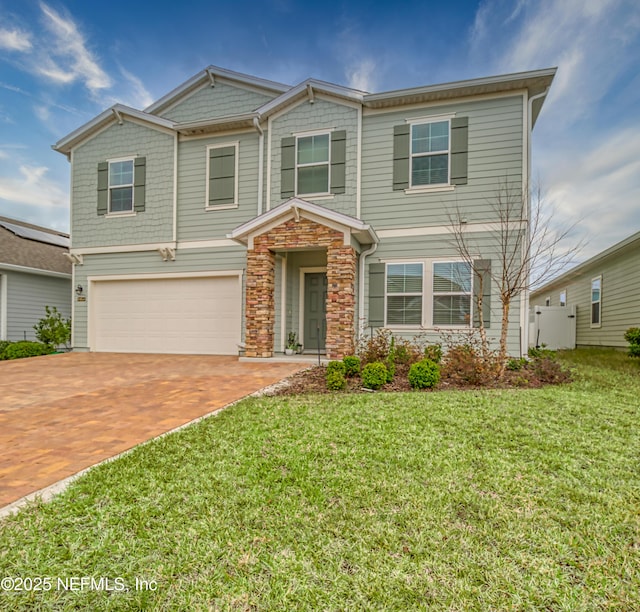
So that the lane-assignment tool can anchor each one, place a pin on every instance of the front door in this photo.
(315, 310)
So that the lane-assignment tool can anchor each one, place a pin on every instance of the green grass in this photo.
(501, 500)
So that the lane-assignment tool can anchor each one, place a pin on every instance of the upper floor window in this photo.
(596, 301)
(430, 153)
(222, 176)
(451, 294)
(121, 186)
(312, 164)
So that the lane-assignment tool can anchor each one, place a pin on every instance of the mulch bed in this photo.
(313, 380)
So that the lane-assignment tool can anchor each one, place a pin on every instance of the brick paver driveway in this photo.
(60, 414)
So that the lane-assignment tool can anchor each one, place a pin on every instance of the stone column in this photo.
(341, 302)
(260, 305)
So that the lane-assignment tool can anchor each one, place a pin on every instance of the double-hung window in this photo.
(596, 301)
(121, 186)
(452, 287)
(313, 164)
(404, 294)
(429, 153)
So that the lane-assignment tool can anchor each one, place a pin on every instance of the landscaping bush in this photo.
(548, 370)
(375, 348)
(374, 375)
(632, 336)
(424, 374)
(516, 364)
(465, 364)
(336, 376)
(52, 329)
(352, 365)
(3, 345)
(433, 352)
(539, 352)
(18, 350)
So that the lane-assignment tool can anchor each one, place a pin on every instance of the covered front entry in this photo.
(290, 233)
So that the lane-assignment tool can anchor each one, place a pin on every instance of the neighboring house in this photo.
(605, 291)
(34, 273)
(235, 210)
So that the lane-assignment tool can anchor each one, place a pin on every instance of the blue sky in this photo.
(62, 63)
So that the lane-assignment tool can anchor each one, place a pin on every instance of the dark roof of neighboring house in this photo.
(31, 246)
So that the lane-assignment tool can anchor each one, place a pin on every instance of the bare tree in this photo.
(526, 247)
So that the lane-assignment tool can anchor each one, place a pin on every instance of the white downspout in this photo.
(256, 124)
(524, 308)
(363, 256)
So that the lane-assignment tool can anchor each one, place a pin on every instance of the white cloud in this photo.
(42, 112)
(139, 97)
(33, 187)
(68, 58)
(15, 40)
(360, 75)
(3, 154)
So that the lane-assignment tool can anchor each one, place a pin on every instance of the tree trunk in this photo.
(506, 305)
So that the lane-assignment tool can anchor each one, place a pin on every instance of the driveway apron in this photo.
(60, 414)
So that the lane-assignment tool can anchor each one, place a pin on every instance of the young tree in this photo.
(526, 248)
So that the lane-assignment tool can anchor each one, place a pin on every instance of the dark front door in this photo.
(315, 310)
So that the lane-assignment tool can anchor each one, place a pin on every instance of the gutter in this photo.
(256, 124)
(363, 256)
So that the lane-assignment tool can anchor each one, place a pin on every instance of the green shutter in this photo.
(222, 176)
(139, 180)
(459, 150)
(338, 161)
(482, 278)
(288, 167)
(103, 188)
(401, 141)
(376, 294)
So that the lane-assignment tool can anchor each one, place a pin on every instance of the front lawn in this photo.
(502, 499)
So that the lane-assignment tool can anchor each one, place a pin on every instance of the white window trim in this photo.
(121, 213)
(421, 293)
(469, 293)
(235, 203)
(436, 186)
(328, 163)
(592, 302)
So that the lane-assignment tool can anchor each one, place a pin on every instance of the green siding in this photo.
(317, 116)
(27, 295)
(196, 223)
(495, 152)
(155, 224)
(210, 102)
(620, 306)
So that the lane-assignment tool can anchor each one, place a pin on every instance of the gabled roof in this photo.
(298, 207)
(32, 246)
(630, 243)
(111, 115)
(209, 75)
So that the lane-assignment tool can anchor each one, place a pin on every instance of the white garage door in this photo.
(175, 315)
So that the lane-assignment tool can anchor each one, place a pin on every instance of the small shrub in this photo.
(375, 348)
(433, 352)
(549, 371)
(336, 381)
(516, 364)
(465, 364)
(3, 345)
(540, 352)
(18, 350)
(424, 374)
(391, 370)
(374, 375)
(52, 329)
(352, 365)
(335, 376)
(632, 336)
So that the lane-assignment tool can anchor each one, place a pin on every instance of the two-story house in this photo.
(235, 210)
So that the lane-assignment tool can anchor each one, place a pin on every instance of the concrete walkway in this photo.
(61, 414)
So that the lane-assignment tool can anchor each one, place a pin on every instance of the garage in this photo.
(187, 315)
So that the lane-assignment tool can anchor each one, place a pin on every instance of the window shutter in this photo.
(459, 150)
(376, 294)
(103, 188)
(222, 176)
(482, 278)
(338, 161)
(139, 180)
(288, 168)
(401, 156)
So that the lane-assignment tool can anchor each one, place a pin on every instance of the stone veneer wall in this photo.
(341, 276)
